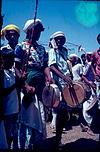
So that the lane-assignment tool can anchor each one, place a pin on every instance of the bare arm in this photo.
(59, 73)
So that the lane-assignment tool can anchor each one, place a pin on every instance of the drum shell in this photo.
(77, 94)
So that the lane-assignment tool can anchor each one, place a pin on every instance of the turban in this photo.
(8, 28)
(57, 34)
(31, 23)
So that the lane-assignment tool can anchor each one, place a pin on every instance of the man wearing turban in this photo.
(36, 61)
(9, 92)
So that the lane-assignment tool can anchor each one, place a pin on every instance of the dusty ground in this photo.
(73, 139)
(71, 135)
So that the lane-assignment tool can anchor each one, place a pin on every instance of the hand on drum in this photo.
(68, 80)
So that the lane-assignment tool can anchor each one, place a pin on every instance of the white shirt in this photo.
(56, 58)
(10, 100)
(77, 70)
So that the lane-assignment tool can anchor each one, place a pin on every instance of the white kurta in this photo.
(10, 101)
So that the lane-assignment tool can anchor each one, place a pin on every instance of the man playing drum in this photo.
(57, 61)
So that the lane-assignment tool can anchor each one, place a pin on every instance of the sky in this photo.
(79, 20)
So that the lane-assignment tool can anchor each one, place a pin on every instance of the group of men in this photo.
(26, 68)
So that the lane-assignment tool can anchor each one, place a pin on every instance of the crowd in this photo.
(29, 73)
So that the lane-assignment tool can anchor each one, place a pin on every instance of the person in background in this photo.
(96, 66)
(96, 59)
(88, 78)
(95, 126)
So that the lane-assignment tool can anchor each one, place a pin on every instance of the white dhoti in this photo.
(34, 116)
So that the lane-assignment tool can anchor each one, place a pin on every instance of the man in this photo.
(88, 78)
(96, 59)
(10, 99)
(57, 61)
(12, 82)
(36, 67)
(3, 140)
(96, 64)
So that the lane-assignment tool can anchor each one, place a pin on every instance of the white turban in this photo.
(30, 23)
(56, 34)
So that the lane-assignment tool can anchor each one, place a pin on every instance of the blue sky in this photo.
(79, 20)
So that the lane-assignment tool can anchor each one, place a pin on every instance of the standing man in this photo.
(10, 97)
(36, 68)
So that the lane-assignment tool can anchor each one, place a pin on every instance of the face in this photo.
(98, 38)
(12, 36)
(83, 59)
(34, 34)
(89, 57)
(98, 51)
(60, 41)
(73, 60)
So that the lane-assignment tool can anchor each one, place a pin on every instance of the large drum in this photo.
(51, 96)
(76, 94)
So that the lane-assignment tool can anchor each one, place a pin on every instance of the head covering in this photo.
(57, 34)
(89, 52)
(9, 27)
(73, 55)
(30, 24)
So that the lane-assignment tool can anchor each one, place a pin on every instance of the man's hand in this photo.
(68, 80)
(28, 89)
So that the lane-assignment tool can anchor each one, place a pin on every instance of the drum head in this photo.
(51, 96)
(74, 95)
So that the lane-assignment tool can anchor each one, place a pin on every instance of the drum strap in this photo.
(53, 97)
(73, 94)
(70, 71)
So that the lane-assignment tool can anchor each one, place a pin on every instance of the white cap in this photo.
(56, 34)
(89, 52)
(30, 23)
(72, 55)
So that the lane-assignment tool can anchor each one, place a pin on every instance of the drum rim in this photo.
(53, 87)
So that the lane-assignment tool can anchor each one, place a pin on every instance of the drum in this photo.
(51, 96)
(76, 94)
